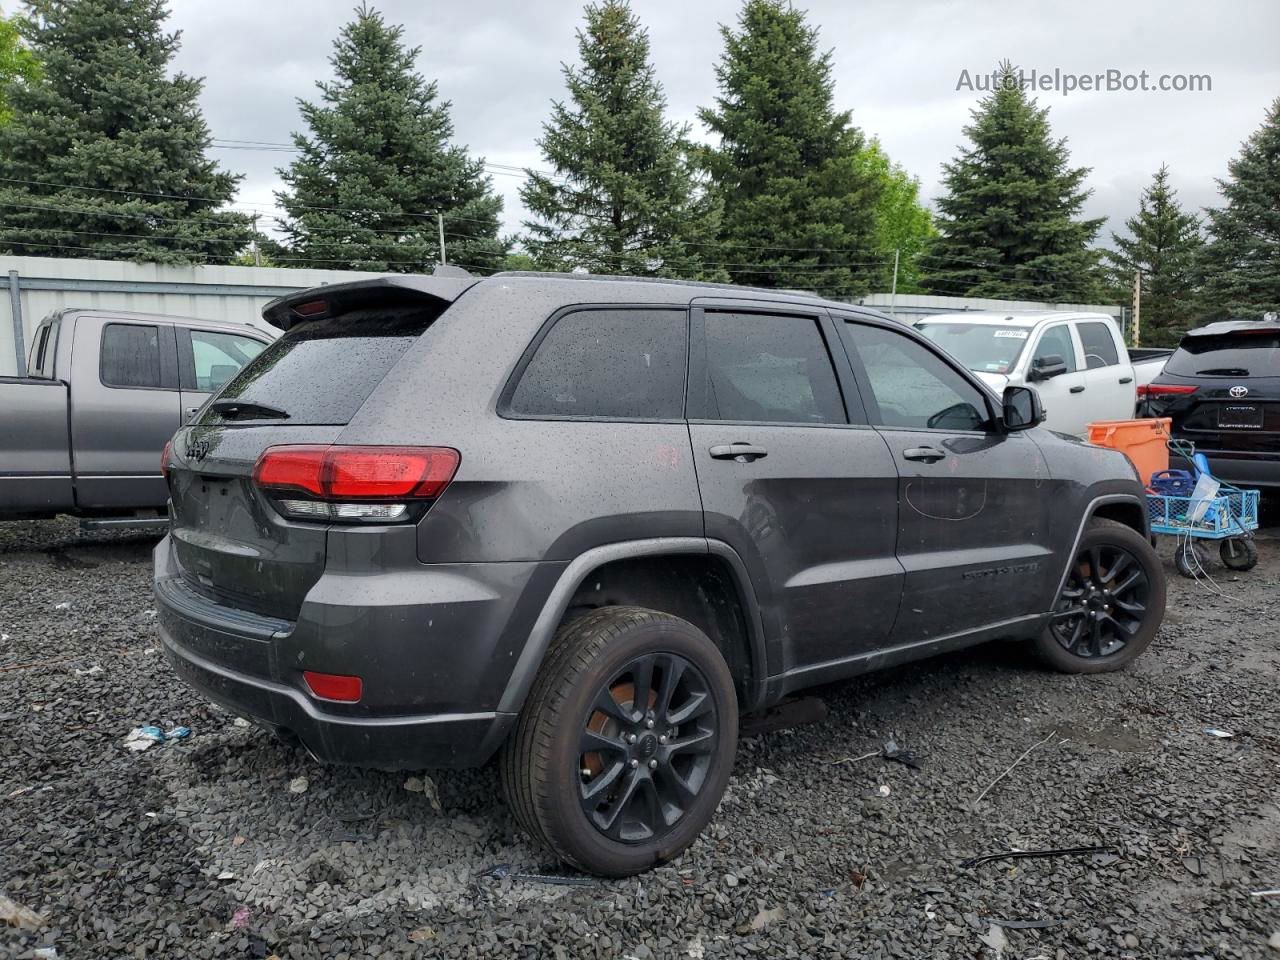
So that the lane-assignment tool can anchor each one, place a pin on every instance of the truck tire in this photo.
(626, 742)
(1111, 604)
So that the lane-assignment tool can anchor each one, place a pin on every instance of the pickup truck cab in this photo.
(83, 431)
(1076, 361)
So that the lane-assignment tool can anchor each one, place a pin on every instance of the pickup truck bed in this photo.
(35, 455)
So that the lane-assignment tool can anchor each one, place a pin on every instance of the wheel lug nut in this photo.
(631, 738)
(653, 764)
(663, 738)
(649, 724)
(634, 764)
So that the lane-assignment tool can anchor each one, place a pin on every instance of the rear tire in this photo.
(1111, 604)
(1239, 553)
(625, 745)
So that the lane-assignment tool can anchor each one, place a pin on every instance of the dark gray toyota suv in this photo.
(586, 523)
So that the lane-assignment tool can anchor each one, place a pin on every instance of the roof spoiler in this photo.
(443, 287)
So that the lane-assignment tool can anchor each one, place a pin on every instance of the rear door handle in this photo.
(925, 454)
(1126, 379)
(742, 452)
(1077, 389)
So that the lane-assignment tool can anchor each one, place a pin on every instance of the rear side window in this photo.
(768, 369)
(36, 365)
(1099, 345)
(1244, 354)
(617, 364)
(218, 357)
(130, 355)
(321, 371)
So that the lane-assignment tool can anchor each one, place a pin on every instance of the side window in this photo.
(1056, 342)
(770, 369)
(219, 356)
(618, 364)
(912, 387)
(1099, 345)
(35, 365)
(130, 356)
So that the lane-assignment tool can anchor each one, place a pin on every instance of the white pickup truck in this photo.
(1076, 361)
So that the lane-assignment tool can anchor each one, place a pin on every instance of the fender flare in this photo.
(582, 566)
(1089, 512)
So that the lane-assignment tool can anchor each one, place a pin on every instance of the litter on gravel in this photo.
(16, 915)
(1033, 854)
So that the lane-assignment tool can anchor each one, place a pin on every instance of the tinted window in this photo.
(42, 344)
(1099, 345)
(321, 371)
(912, 386)
(620, 364)
(1056, 342)
(1245, 354)
(220, 356)
(130, 355)
(771, 369)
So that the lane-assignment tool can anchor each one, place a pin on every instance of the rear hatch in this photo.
(233, 544)
(1221, 387)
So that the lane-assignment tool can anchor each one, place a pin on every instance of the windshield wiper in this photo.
(1225, 372)
(248, 410)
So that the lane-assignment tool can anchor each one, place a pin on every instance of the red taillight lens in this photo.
(164, 459)
(1165, 389)
(334, 686)
(353, 475)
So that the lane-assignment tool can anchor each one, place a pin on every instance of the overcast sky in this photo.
(897, 66)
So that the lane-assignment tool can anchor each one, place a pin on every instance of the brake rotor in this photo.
(624, 695)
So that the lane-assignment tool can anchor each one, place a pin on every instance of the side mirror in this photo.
(1047, 367)
(1022, 409)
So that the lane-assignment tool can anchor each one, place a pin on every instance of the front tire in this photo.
(1111, 604)
(1239, 553)
(625, 745)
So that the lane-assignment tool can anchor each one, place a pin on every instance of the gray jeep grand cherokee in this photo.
(585, 523)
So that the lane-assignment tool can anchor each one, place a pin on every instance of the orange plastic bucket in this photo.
(1142, 441)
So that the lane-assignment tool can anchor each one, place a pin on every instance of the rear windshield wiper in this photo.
(248, 410)
(1225, 372)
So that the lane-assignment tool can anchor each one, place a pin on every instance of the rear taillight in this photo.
(354, 484)
(1165, 389)
(164, 459)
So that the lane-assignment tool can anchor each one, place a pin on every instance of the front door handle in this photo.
(742, 452)
(1077, 389)
(925, 454)
(1126, 379)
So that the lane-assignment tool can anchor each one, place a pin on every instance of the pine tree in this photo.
(903, 225)
(17, 63)
(1009, 218)
(378, 165)
(799, 210)
(105, 154)
(622, 195)
(1163, 245)
(1242, 260)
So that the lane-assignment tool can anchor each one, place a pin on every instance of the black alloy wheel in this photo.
(646, 747)
(1104, 602)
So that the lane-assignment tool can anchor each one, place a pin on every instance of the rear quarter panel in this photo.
(35, 459)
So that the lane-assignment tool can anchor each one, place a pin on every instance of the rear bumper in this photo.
(435, 646)
(385, 743)
(1257, 470)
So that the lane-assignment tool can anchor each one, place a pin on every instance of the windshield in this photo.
(982, 347)
(1246, 353)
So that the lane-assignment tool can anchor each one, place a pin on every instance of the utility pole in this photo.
(440, 226)
(1137, 308)
(893, 293)
(257, 254)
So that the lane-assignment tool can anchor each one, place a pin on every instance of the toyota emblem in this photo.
(1238, 391)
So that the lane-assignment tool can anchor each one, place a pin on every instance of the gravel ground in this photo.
(214, 846)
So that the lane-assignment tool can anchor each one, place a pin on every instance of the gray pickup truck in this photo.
(83, 431)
